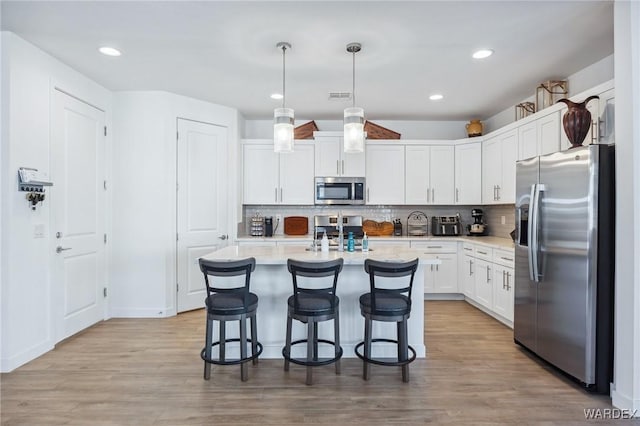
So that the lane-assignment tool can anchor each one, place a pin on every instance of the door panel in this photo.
(78, 215)
(417, 171)
(468, 173)
(565, 228)
(296, 176)
(526, 291)
(201, 204)
(442, 174)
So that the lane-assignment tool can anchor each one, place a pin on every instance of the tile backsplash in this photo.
(493, 215)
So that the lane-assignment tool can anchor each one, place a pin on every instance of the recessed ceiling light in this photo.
(482, 53)
(276, 96)
(436, 97)
(109, 51)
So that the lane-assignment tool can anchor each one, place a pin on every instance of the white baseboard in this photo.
(624, 402)
(141, 313)
(489, 312)
(11, 363)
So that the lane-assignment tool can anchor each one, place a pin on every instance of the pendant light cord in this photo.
(284, 49)
(353, 86)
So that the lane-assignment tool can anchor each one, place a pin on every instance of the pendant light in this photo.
(354, 116)
(283, 117)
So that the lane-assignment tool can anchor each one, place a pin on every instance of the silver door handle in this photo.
(343, 167)
(428, 196)
(433, 195)
(488, 272)
(431, 268)
(494, 193)
(223, 237)
(506, 258)
(470, 264)
(503, 284)
(276, 189)
(60, 249)
(508, 280)
(457, 195)
(280, 194)
(498, 192)
(434, 246)
(337, 167)
(594, 129)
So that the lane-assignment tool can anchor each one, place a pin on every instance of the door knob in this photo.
(223, 237)
(60, 249)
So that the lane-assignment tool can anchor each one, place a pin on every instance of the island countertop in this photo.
(278, 255)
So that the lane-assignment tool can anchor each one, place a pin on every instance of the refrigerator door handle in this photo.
(535, 242)
(530, 228)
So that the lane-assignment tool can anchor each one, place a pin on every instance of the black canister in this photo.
(268, 226)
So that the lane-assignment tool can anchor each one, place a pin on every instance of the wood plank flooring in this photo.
(148, 371)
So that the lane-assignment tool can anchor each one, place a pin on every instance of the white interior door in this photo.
(201, 204)
(78, 215)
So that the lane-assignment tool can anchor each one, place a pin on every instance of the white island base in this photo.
(271, 281)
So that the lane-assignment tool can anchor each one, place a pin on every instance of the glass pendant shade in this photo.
(283, 130)
(353, 129)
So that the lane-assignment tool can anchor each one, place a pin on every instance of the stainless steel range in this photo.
(330, 226)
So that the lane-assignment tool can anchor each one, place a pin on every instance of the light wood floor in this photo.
(148, 371)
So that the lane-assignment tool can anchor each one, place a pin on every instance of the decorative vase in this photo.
(474, 128)
(577, 120)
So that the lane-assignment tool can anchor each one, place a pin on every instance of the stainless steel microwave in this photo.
(339, 190)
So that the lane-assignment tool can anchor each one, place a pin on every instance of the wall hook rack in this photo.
(32, 182)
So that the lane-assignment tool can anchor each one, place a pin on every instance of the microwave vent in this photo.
(339, 96)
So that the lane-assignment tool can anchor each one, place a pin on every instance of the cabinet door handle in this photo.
(508, 280)
(434, 246)
(60, 249)
(494, 192)
(428, 196)
(470, 264)
(280, 194)
(594, 130)
(498, 192)
(488, 272)
(337, 167)
(482, 252)
(276, 189)
(431, 268)
(467, 249)
(503, 283)
(506, 258)
(457, 195)
(343, 167)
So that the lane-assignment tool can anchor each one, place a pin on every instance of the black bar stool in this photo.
(389, 305)
(230, 304)
(311, 305)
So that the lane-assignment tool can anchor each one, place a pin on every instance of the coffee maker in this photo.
(478, 227)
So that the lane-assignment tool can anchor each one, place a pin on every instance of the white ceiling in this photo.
(224, 52)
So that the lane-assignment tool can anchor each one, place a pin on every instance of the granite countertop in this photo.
(278, 255)
(490, 241)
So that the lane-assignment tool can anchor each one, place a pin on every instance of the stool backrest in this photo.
(223, 268)
(378, 268)
(314, 270)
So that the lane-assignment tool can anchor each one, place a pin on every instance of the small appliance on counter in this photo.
(478, 227)
(397, 228)
(268, 226)
(445, 225)
(417, 224)
(331, 227)
(257, 226)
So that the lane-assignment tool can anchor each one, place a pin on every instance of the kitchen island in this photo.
(272, 283)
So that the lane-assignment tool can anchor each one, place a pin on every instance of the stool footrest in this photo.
(380, 362)
(233, 361)
(311, 363)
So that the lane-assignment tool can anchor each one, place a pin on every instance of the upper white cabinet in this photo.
(271, 178)
(539, 137)
(468, 173)
(499, 155)
(385, 174)
(429, 174)
(331, 160)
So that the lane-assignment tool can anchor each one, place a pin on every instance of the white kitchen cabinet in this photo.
(429, 174)
(261, 174)
(332, 161)
(468, 173)
(503, 291)
(441, 278)
(271, 178)
(499, 155)
(385, 174)
(539, 137)
(466, 277)
(484, 283)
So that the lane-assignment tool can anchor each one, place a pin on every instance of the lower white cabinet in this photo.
(442, 278)
(466, 279)
(503, 291)
(484, 283)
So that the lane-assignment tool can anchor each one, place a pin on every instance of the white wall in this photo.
(143, 275)
(263, 129)
(626, 391)
(28, 78)
(596, 73)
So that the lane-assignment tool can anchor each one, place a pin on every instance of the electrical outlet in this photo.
(278, 217)
(503, 220)
(38, 230)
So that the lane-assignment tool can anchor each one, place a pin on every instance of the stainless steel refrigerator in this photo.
(564, 269)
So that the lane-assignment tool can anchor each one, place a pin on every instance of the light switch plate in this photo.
(503, 220)
(38, 230)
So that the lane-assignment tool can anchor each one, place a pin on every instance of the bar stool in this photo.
(311, 305)
(388, 305)
(230, 304)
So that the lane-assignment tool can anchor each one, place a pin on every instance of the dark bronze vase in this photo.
(577, 120)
